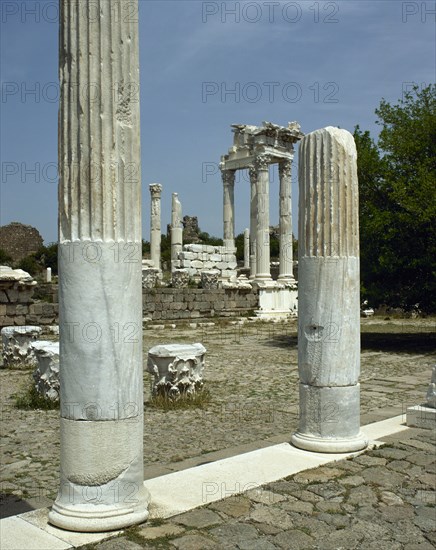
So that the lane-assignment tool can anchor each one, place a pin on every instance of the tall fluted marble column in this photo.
(176, 230)
(228, 177)
(263, 272)
(285, 224)
(253, 219)
(329, 308)
(100, 298)
(155, 229)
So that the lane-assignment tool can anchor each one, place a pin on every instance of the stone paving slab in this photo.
(314, 495)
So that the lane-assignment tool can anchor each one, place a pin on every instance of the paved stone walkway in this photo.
(383, 499)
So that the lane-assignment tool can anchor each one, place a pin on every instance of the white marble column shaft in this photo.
(155, 227)
(253, 219)
(100, 297)
(176, 230)
(228, 177)
(285, 223)
(328, 300)
(246, 248)
(263, 272)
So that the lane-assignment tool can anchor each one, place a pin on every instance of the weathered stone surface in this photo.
(198, 518)
(329, 305)
(209, 279)
(46, 374)
(17, 346)
(155, 225)
(16, 285)
(177, 369)
(150, 277)
(100, 243)
(431, 392)
(180, 278)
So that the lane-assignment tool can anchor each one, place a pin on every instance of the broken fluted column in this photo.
(328, 310)
(285, 224)
(246, 248)
(100, 317)
(155, 229)
(176, 231)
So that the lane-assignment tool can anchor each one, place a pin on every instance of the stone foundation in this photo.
(158, 304)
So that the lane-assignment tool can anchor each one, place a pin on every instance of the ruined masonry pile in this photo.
(196, 258)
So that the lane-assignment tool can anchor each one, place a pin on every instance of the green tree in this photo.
(398, 203)
(5, 259)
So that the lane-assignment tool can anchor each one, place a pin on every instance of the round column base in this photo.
(89, 520)
(318, 444)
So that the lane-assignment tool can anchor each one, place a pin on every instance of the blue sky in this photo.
(204, 66)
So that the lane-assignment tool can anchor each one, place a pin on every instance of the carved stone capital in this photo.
(155, 190)
(228, 177)
(285, 169)
(262, 162)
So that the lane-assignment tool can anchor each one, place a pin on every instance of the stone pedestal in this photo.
(17, 346)
(155, 228)
(210, 279)
(100, 290)
(150, 277)
(176, 231)
(329, 305)
(424, 416)
(276, 301)
(46, 374)
(177, 369)
(180, 278)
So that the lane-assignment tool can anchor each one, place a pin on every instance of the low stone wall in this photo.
(193, 303)
(158, 304)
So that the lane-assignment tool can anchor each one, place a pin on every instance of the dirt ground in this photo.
(252, 375)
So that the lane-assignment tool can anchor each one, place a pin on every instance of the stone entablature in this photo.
(196, 258)
(269, 139)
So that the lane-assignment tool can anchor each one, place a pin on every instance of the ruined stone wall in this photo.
(19, 240)
(193, 303)
(158, 304)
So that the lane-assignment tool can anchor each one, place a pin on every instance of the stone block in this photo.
(19, 321)
(12, 295)
(215, 258)
(17, 340)
(188, 255)
(2, 309)
(46, 374)
(421, 416)
(197, 264)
